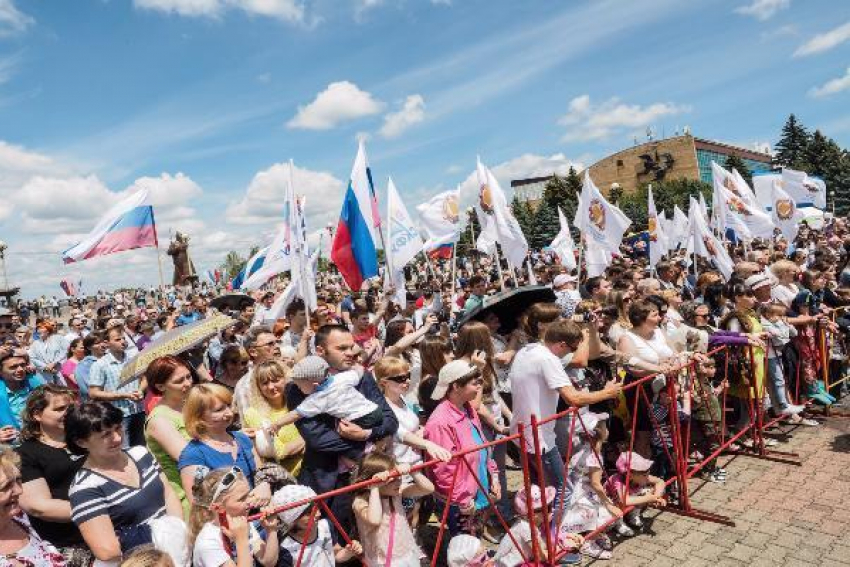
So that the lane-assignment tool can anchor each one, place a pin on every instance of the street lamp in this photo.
(3, 248)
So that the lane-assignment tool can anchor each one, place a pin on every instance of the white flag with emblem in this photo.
(786, 216)
(563, 244)
(803, 189)
(703, 242)
(404, 241)
(658, 245)
(602, 224)
(505, 228)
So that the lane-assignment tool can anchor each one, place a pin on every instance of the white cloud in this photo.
(7, 66)
(284, 10)
(339, 102)
(16, 158)
(12, 20)
(824, 41)
(263, 199)
(411, 112)
(832, 87)
(763, 9)
(587, 122)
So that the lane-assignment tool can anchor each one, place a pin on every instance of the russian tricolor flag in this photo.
(128, 225)
(354, 249)
(443, 251)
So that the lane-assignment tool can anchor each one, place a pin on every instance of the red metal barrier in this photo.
(533, 457)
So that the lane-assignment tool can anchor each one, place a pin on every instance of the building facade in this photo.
(679, 157)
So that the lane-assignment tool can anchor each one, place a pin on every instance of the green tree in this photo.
(792, 144)
(466, 244)
(233, 264)
(524, 216)
(546, 226)
(563, 192)
(734, 162)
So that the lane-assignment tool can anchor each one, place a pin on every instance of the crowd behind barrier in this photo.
(383, 434)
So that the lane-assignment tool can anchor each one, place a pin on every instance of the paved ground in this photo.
(785, 515)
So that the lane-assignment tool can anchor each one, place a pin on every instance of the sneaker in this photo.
(634, 519)
(570, 559)
(808, 422)
(604, 542)
(717, 476)
(591, 549)
(791, 409)
(623, 530)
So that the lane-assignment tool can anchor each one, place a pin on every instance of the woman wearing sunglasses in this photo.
(226, 491)
(455, 426)
(394, 380)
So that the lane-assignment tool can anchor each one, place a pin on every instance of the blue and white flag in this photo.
(441, 219)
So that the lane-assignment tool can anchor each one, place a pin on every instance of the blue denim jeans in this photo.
(553, 471)
(776, 385)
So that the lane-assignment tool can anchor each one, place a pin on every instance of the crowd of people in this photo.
(212, 456)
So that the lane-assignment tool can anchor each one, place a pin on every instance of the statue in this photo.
(184, 269)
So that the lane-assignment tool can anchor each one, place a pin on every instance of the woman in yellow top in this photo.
(268, 405)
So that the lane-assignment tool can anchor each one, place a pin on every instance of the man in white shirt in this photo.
(538, 379)
(262, 316)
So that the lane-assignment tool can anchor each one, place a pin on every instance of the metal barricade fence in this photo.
(532, 461)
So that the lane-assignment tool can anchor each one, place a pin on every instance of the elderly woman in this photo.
(208, 415)
(785, 289)
(117, 492)
(47, 469)
(20, 544)
(455, 426)
(49, 352)
(165, 431)
(268, 405)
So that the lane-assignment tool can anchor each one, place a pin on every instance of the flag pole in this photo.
(454, 269)
(499, 266)
(580, 256)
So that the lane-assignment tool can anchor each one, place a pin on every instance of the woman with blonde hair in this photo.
(785, 289)
(393, 377)
(208, 414)
(267, 406)
(621, 299)
(19, 542)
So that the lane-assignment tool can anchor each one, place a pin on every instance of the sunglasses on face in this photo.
(400, 379)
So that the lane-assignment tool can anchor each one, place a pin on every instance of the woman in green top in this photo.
(165, 432)
(268, 405)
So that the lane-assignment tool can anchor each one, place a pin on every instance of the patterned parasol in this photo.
(174, 342)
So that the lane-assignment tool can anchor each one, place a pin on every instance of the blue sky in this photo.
(204, 100)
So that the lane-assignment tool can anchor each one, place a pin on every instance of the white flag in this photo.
(278, 308)
(506, 230)
(563, 244)
(736, 207)
(658, 245)
(404, 241)
(681, 229)
(602, 224)
(441, 219)
(302, 275)
(806, 191)
(784, 212)
(703, 242)
(703, 205)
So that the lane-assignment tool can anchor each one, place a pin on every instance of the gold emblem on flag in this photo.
(652, 223)
(736, 205)
(784, 209)
(596, 212)
(451, 209)
(485, 199)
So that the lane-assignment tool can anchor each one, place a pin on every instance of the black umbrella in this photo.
(232, 301)
(509, 305)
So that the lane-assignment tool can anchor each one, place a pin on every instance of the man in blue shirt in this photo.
(188, 315)
(16, 385)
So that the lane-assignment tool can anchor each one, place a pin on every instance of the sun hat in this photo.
(562, 280)
(520, 500)
(638, 462)
(462, 550)
(450, 373)
(756, 281)
(290, 494)
(312, 368)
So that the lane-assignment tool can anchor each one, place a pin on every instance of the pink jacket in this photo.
(450, 428)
